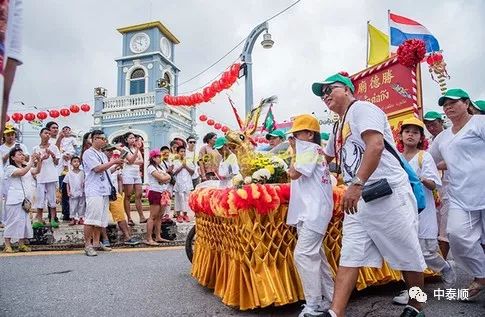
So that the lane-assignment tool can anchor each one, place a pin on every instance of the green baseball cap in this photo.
(276, 133)
(453, 94)
(479, 104)
(220, 142)
(317, 87)
(325, 136)
(432, 115)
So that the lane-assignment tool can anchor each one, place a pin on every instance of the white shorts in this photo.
(181, 201)
(97, 211)
(442, 214)
(384, 228)
(131, 177)
(45, 192)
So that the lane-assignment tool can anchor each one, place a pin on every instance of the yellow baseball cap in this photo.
(413, 121)
(305, 122)
(9, 129)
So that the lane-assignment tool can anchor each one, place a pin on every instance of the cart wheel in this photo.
(189, 244)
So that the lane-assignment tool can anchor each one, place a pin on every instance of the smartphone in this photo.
(124, 153)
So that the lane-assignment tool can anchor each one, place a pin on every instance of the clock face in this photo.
(139, 43)
(165, 47)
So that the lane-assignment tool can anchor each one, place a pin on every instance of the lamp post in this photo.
(247, 59)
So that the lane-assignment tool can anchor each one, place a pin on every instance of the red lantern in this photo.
(85, 107)
(29, 116)
(210, 122)
(65, 112)
(217, 126)
(42, 115)
(203, 117)
(17, 117)
(233, 79)
(74, 108)
(199, 97)
(235, 69)
(216, 87)
(224, 129)
(54, 113)
(166, 99)
(206, 93)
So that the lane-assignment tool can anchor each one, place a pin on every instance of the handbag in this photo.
(26, 203)
(113, 195)
(376, 190)
(416, 184)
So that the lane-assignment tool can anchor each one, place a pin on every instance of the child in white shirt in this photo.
(228, 167)
(310, 210)
(183, 170)
(75, 190)
(412, 138)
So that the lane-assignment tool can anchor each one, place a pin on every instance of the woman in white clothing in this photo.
(310, 210)
(158, 197)
(18, 182)
(131, 176)
(460, 148)
(228, 167)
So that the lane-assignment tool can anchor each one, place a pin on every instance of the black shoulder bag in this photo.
(113, 193)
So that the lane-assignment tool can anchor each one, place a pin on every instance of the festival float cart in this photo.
(244, 249)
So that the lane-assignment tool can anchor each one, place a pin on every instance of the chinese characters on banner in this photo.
(389, 86)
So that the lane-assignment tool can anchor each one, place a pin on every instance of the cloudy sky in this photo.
(70, 47)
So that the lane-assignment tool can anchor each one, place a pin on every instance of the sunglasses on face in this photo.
(328, 90)
(191, 142)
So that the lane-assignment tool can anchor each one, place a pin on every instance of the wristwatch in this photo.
(356, 181)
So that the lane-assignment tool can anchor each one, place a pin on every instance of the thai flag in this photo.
(403, 29)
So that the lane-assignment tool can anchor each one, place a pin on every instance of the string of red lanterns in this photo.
(42, 115)
(211, 122)
(228, 78)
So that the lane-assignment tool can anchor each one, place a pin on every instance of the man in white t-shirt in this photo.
(382, 228)
(192, 156)
(97, 188)
(46, 179)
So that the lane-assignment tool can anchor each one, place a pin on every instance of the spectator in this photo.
(183, 171)
(275, 138)
(412, 140)
(17, 221)
(375, 229)
(310, 210)
(97, 189)
(209, 158)
(74, 181)
(167, 166)
(228, 168)
(158, 197)
(116, 208)
(47, 179)
(9, 142)
(435, 125)
(86, 143)
(192, 156)
(459, 149)
(131, 176)
(477, 107)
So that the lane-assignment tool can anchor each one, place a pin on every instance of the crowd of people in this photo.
(96, 180)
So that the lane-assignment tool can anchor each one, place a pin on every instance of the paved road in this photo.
(155, 282)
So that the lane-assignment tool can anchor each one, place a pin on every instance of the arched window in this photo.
(137, 82)
(166, 76)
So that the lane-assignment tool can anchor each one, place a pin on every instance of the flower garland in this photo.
(411, 52)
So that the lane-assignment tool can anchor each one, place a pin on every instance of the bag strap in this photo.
(393, 152)
(106, 171)
(420, 158)
(339, 138)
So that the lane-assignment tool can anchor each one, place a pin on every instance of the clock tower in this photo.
(148, 56)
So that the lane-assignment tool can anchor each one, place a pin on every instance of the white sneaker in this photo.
(402, 298)
(311, 312)
(448, 276)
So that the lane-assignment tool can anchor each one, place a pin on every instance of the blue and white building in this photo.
(146, 73)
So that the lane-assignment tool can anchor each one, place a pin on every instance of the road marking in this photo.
(67, 252)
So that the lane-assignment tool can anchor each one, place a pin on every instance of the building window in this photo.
(166, 76)
(137, 82)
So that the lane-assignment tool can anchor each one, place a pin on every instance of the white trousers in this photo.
(182, 201)
(432, 256)
(312, 266)
(442, 214)
(465, 229)
(45, 192)
(17, 223)
(77, 207)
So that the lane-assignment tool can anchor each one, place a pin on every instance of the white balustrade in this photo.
(122, 103)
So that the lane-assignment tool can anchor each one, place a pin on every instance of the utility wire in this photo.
(231, 50)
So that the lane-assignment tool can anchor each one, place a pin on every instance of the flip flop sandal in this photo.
(144, 220)
(131, 223)
(162, 241)
(474, 291)
(154, 244)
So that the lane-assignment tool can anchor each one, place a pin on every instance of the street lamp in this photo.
(248, 63)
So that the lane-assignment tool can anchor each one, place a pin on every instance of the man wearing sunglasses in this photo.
(191, 156)
(386, 227)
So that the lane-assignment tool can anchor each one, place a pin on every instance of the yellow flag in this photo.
(378, 46)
